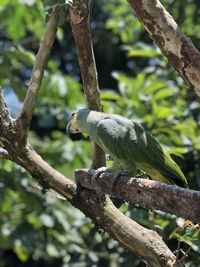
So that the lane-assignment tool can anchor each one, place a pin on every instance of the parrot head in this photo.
(72, 129)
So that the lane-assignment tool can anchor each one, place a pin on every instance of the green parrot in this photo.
(129, 144)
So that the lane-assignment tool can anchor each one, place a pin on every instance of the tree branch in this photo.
(174, 44)
(143, 242)
(80, 23)
(147, 193)
(25, 116)
(3, 106)
(46, 176)
(5, 118)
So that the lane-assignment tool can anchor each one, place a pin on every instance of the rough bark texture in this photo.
(174, 44)
(145, 243)
(149, 194)
(80, 14)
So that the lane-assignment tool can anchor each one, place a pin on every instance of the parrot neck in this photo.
(87, 121)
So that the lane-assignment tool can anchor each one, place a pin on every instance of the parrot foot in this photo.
(99, 171)
(117, 174)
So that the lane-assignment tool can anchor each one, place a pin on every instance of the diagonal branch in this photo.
(147, 193)
(174, 44)
(38, 70)
(143, 242)
(80, 23)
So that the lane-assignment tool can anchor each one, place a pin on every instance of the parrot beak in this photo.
(72, 130)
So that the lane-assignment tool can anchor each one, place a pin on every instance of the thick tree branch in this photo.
(174, 44)
(149, 194)
(145, 243)
(46, 176)
(80, 23)
(25, 117)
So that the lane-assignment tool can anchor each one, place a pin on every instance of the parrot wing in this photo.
(129, 142)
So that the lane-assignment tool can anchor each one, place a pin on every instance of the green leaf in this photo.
(21, 251)
(163, 93)
(109, 95)
(141, 50)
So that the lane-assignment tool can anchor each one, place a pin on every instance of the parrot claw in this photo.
(117, 175)
(99, 171)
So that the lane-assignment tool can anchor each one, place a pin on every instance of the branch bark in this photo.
(3, 108)
(174, 44)
(139, 240)
(149, 194)
(145, 243)
(80, 13)
(42, 56)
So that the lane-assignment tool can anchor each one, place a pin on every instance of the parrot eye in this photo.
(73, 114)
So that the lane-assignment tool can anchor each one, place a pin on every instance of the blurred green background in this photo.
(136, 81)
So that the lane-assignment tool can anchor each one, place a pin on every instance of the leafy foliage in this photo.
(142, 86)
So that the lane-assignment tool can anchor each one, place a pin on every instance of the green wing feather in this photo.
(129, 142)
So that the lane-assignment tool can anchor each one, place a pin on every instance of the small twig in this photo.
(149, 194)
(185, 254)
(4, 153)
(174, 44)
(38, 70)
(178, 249)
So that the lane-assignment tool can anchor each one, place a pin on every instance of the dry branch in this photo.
(147, 193)
(42, 56)
(80, 13)
(174, 44)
